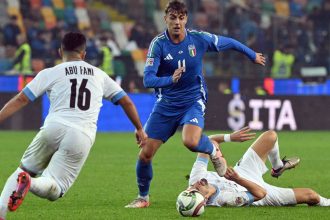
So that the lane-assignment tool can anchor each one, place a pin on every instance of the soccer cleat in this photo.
(288, 163)
(138, 203)
(23, 186)
(219, 162)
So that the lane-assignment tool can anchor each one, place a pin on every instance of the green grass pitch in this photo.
(107, 181)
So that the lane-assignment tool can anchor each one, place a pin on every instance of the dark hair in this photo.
(176, 6)
(74, 41)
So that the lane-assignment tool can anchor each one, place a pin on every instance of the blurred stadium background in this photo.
(290, 93)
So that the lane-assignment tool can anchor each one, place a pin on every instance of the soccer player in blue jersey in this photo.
(174, 69)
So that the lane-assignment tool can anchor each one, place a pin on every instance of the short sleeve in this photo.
(38, 85)
(112, 91)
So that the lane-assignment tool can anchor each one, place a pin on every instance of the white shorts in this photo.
(59, 152)
(252, 167)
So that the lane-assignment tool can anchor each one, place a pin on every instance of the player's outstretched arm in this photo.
(131, 112)
(257, 191)
(226, 43)
(241, 135)
(13, 105)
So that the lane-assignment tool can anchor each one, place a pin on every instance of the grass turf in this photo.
(107, 181)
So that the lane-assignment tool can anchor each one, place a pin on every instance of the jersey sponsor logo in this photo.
(194, 120)
(180, 52)
(150, 62)
(168, 57)
(192, 50)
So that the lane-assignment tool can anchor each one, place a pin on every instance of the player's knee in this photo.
(190, 143)
(271, 135)
(146, 156)
(54, 192)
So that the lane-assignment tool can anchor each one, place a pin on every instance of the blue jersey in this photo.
(164, 57)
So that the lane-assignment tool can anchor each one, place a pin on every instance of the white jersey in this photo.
(75, 90)
(228, 192)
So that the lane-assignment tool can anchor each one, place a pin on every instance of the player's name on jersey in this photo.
(71, 70)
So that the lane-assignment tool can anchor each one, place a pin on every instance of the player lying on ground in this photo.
(244, 185)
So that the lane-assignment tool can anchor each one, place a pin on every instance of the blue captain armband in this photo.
(251, 197)
(29, 94)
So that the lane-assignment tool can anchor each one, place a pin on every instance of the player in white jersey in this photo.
(243, 184)
(53, 160)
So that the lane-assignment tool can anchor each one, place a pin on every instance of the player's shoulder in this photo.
(199, 33)
(159, 38)
(157, 42)
(45, 71)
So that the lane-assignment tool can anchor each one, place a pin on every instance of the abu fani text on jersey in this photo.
(75, 70)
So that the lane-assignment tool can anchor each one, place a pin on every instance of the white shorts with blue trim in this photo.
(252, 167)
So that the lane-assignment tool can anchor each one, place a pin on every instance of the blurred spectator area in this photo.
(264, 25)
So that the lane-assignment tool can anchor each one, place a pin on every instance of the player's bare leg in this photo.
(310, 197)
(266, 146)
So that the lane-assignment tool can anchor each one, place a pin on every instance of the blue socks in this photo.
(204, 146)
(144, 176)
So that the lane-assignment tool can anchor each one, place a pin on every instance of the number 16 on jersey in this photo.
(84, 95)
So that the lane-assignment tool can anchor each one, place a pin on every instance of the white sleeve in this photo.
(38, 85)
(112, 91)
(236, 199)
(199, 170)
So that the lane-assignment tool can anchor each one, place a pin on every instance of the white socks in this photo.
(45, 187)
(324, 201)
(214, 151)
(274, 157)
(146, 198)
(8, 189)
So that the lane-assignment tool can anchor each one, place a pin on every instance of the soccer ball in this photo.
(190, 203)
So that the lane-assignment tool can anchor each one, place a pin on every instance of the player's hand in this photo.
(177, 74)
(141, 137)
(231, 174)
(242, 135)
(260, 59)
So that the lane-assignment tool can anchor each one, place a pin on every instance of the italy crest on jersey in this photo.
(150, 62)
(192, 50)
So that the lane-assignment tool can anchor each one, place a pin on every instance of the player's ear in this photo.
(83, 55)
(60, 53)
